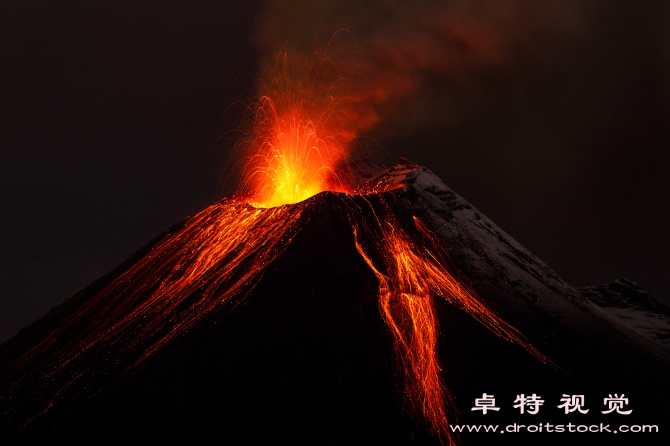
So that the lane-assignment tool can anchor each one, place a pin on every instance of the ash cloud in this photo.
(421, 57)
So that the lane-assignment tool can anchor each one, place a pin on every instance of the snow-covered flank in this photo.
(511, 278)
(491, 253)
(627, 304)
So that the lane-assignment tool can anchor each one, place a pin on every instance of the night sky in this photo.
(552, 118)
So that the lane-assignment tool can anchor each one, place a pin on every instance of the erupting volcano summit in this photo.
(327, 302)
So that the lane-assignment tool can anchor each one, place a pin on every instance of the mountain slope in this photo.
(281, 339)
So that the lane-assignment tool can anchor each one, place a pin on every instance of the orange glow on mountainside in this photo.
(413, 271)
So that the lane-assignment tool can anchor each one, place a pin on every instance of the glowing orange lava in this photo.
(304, 120)
(412, 269)
(207, 265)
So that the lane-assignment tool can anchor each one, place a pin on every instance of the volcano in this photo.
(378, 316)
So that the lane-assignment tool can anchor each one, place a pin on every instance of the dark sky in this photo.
(556, 125)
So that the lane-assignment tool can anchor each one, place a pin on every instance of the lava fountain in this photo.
(301, 132)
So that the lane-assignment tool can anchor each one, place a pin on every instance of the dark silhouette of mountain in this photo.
(299, 352)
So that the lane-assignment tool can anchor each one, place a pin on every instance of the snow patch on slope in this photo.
(625, 303)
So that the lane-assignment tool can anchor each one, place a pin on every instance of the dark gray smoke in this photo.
(414, 61)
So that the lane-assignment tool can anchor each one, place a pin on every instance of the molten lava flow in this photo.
(206, 266)
(411, 270)
(302, 126)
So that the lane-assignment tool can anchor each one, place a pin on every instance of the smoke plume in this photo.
(406, 56)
